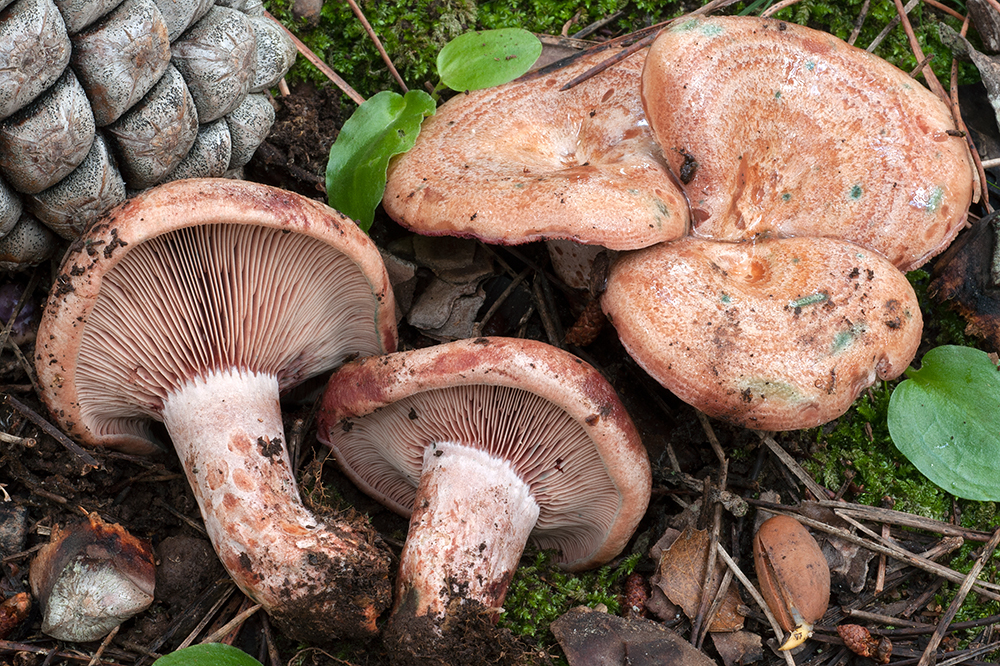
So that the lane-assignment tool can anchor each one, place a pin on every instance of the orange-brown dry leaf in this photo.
(681, 576)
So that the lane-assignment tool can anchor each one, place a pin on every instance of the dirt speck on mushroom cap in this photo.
(797, 133)
(775, 334)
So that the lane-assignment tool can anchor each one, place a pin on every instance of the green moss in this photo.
(540, 592)
(859, 441)
(942, 325)
(838, 17)
(413, 31)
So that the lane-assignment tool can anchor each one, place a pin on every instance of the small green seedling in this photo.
(207, 654)
(945, 418)
(487, 58)
(388, 123)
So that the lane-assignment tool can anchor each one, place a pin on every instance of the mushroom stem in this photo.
(313, 580)
(471, 519)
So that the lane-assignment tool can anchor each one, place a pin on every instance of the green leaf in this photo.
(487, 58)
(385, 125)
(945, 418)
(207, 654)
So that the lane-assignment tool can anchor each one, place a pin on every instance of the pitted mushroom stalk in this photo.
(484, 444)
(197, 303)
(793, 576)
(90, 578)
(471, 520)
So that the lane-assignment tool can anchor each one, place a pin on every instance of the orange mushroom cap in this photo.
(526, 161)
(796, 133)
(774, 334)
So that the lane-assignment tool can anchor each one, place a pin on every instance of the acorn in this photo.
(90, 578)
(793, 576)
(102, 98)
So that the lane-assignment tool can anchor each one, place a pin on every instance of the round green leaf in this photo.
(207, 654)
(487, 58)
(385, 125)
(945, 418)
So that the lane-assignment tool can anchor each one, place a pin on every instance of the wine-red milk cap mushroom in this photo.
(527, 161)
(791, 131)
(772, 334)
(197, 303)
(482, 443)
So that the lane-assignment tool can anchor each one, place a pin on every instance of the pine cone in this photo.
(100, 98)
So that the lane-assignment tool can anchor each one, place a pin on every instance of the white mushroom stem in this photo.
(471, 519)
(227, 431)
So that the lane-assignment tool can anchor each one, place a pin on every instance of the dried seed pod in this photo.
(248, 124)
(636, 595)
(28, 244)
(34, 51)
(216, 58)
(13, 611)
(78, 14)
(860, 641)
(120, 58)
(588, 325)
(209, 155)
(45, 141)
(88, 192)
(155, 135)
(90, 578)
(274, 53)
(793, 576)
(248, 7)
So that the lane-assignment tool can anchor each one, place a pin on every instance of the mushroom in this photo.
(197, 303)
(794, 133)
(481, 443)
(526, 161)
(90, 578)
(771, 334)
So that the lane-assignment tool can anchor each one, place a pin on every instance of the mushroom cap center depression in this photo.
(211, 297)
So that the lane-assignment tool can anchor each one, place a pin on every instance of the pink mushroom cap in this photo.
(771, 334)
(562, 427)
(527, 161)
(796, 133)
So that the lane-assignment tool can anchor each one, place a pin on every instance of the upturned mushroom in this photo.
(483, 443)
(772, 334)
(198, 303)
(527, 161)
(794, 132)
